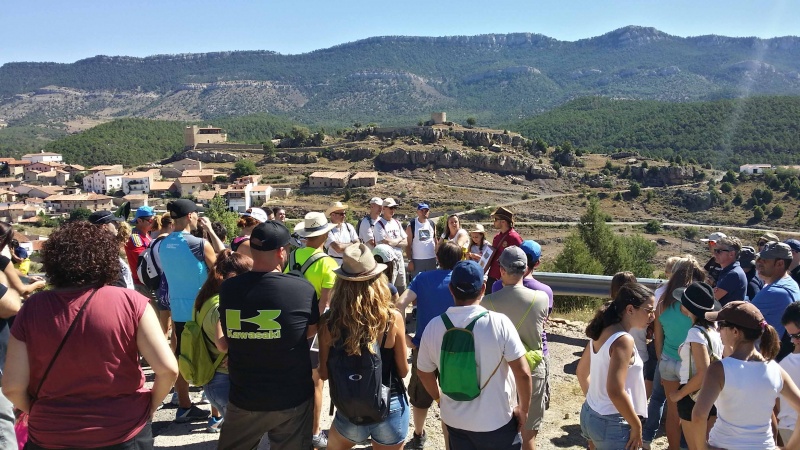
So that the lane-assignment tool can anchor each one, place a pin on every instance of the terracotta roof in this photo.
(135, 197)
(208, 195)
(188, 180)
(161, 185)
(364, 175)
(91, 196)
(329, 175)
(197, 173)
(263, 187)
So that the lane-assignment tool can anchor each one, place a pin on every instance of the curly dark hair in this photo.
(81, 254)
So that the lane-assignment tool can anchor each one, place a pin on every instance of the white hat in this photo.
(385, 252)
(376, 201)
(358, 264)
(478, 228)
(256, 213)
(714, 237)
(338, 206)
(389, 202)
(313, 224)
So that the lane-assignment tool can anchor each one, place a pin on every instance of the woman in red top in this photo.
(93, 396)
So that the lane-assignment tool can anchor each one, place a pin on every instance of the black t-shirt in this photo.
(265, 317)
(4, 262)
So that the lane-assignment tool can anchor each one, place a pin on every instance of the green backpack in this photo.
(195, 362)
(458, 369)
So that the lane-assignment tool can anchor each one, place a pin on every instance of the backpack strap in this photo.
(447, 323)
(311, 260)
(472, 324)
(708, 346)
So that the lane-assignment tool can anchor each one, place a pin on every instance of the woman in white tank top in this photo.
(610, 371)
(744, 385)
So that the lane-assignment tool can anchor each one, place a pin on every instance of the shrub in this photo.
(777, 212)
(635, 189)
(653, 226)
(726, 187)
(758, 214)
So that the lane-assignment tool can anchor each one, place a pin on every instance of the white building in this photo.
(754, 168)
(137, 182)
(102, 181)
(42, 157)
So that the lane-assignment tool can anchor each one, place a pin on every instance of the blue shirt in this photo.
(183, 261)
(733, 281)
(773, 299)
(433, 298)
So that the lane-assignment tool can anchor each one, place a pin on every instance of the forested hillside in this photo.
(726, 133)
(137, 141)
(396, 79)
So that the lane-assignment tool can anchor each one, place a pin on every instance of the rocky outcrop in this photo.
(209, 156)
(444, 158)
(664, 175)
(290, 158)
(348, 154)
(473, 138)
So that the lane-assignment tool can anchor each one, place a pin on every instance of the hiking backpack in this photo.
(148, 270)
(194, 361)
(458, 370)
(356, 383)
(293, 265)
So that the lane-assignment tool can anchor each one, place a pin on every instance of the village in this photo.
(44, 185)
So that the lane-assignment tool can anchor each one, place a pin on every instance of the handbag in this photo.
(21, 424)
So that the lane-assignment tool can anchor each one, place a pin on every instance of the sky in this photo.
(67, 31)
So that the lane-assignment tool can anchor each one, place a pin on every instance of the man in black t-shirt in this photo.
(267, 317)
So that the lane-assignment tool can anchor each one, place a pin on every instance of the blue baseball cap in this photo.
(794, 244)
(423, 206)
(144, 211)
(467, 277)
(532, 249)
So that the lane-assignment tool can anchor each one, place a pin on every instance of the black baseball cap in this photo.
(103, 217)
(270, 235)
(181, 207)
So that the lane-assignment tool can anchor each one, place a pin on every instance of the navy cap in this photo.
(270, 235)
(423, 206)
(794, 244)
(103, 217)
(181, 207)
(467, 277)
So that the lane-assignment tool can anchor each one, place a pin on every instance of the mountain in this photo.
(395, 79)
(726, 133)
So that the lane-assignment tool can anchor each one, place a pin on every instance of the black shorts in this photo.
(686, 405)
(177, 330)
(651, 365)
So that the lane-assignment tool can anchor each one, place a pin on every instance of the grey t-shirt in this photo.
(515, 301)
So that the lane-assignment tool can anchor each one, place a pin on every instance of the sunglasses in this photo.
(336, 214)
(717, 251)
(793, 336)
(648, 309)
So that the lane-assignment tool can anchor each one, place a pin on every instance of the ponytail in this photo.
(611, 312)
(605, 316)
(770, 344)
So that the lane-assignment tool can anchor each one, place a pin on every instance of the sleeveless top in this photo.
(744, 406)
(597, 397)
(237, 241)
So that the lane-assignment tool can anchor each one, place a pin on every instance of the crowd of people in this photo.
(281, 311)
(720, 353)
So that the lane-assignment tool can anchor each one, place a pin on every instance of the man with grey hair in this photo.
(732, 282)
(528, 309)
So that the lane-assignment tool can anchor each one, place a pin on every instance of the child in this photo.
(787, 416)
(702, 345)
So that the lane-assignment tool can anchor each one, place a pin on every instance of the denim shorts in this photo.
(217, 391)
(391, 431)
(609, 432)
(669, 368)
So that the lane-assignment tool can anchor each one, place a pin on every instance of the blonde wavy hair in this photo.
(360, 312)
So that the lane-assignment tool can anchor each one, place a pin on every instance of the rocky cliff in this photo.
(444, 158)
(473, 138)
(665, 175)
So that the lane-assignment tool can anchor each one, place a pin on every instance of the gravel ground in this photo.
(561, 429)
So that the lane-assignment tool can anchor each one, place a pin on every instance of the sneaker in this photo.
(174, 400)
(417, 442)
(319, 440)
(214, 424)
(191, 414)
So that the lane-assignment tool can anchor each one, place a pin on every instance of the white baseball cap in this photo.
(376, 201)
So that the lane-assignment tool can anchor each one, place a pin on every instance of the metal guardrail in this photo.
(585, 285)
